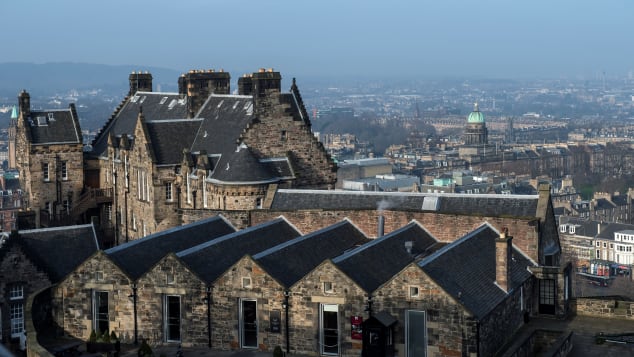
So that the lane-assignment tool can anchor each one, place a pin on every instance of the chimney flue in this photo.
(503, 259)
(381, 226)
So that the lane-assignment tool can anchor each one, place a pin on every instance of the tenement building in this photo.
(371, 274)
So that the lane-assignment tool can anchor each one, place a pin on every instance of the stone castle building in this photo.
(200, 149)
(47, 150)
(312, 282)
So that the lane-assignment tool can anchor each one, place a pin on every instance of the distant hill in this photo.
(50, 78)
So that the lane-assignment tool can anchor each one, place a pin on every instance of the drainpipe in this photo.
(286, 307)
(136, 327)
(208, 301)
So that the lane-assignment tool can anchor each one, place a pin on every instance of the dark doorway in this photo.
(329, 329)
(547, 295)
(172, 318)
(249, 324)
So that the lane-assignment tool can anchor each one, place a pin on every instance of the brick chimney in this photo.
(503, 258)
(245, 85)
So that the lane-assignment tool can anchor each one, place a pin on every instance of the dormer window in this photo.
(562, 228)
(572, 229)
(51, 116)
(41, 121)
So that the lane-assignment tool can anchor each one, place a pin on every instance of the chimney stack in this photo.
(140, 82)
(24, 100)
(503, 259)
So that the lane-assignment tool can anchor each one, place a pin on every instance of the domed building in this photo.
(476, 141)
(476, 131)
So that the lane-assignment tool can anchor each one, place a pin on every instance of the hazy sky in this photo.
(490, 38)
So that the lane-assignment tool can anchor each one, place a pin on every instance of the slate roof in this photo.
(137, 256)
(58, 251)
(211, 259)
(156, 106)
(241, 166)
(465, 269)
(603, 204)
(583, 227)
(54, 127)
(607, 233)
(291, 261)
(376, 262)
(466, 204)
(170, 137)
(225, 116)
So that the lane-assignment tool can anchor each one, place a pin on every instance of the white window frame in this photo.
(413, 291)
(246, 282)
(168, 192)
(46, 172)
(16, 316)
(16, 292)
(64, 169)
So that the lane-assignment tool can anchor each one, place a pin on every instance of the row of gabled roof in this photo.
(465, 269)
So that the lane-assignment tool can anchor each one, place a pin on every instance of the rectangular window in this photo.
(99, 276)
(170, 279)
(598, 244)
(100, 313)
(45, 174)
(598, 256)
(204, 192)
(16, 292)
(64, 169)
(108, 209)
(246, 282)
(47, 206)
(328, 288)
(16, 314)
(415, 333)
(168, 192)
(66, 206)
(413, 291)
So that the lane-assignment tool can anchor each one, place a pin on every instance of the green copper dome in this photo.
(476, 116)
(14, 113)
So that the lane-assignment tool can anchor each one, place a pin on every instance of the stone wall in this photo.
(499, 327)
(451, 330)
(308, 294)
(605, 307)
(73, 299)
(228, 292)
(276, 133)
(239, 219)
(445, 227)
(171, 278)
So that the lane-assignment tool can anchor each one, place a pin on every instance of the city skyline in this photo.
(451, 38)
